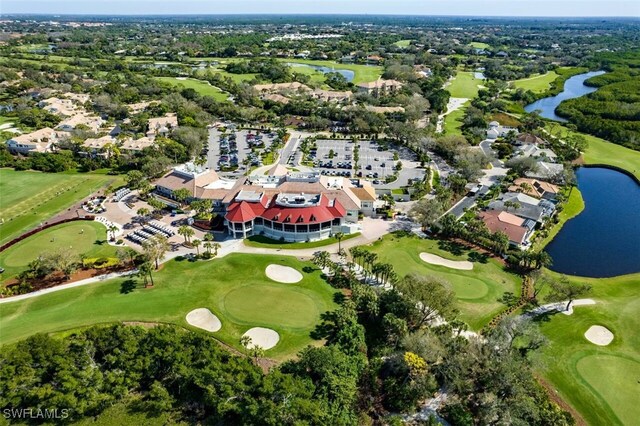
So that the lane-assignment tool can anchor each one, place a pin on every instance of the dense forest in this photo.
(613, 111)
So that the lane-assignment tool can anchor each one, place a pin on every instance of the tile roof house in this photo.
(533, 151)
(162, 125)
(535, 188)
(41, 141)
(517, 229)
(525, 207)
(380, 86)
(526, 138)
(497, 131)
(93, 122)
(546, 171)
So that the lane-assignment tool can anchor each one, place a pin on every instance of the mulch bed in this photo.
(555, 397)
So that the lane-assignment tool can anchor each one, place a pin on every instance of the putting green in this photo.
(469, 289)
(616, 380)
(270, 305)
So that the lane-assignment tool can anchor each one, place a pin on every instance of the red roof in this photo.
(325, 211)
(496, 223)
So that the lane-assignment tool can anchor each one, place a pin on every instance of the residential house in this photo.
(534, 151)
(139, 144)
(546, 171)
(517, 229)
(41, 141)
(162, 126)
(91, 122)
(380, 87)
(535, 188)
(497, 131)
(524, 206)
(528, 138)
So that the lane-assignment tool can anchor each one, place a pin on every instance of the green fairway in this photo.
(479, 45)
(236, 78)
(464, 85)
(453, 121)
(600, 382)
(402, 43)
(477, 290)
(235, 288)
(537, 84)
(363, 73)
(600, 151)
(83, 237)
(202, 87)
(28, 198)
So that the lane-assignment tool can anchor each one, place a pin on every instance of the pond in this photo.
(347, 74)
(604, 239)
(573, 88)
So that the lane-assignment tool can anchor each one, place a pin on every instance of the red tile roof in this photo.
(325, 211)
(495, 221)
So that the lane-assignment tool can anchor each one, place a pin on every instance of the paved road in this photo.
(485, 145)
(290, 148)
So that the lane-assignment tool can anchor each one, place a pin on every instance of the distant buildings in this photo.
(162, 126)
(380, 87)
(41, 141)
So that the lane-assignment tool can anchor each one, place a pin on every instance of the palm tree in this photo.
(542, 259)
(186, 232)
(320, 259)
(339, 236)
(216, 247)
(112, 229)
(143, 212)
(145, 270)
(196, 243)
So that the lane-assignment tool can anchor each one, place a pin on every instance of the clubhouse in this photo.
(281, 205)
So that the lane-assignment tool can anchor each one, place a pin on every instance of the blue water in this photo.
(573, 88)
(347, 74)
(604, 239)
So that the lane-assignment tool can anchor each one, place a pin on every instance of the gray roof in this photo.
(525, 211)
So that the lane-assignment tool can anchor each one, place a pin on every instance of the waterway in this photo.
(604, 239)
(573, 88)
(347, 74)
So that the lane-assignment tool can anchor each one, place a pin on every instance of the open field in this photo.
(202, 87)
(29, 198)
(464, 85)
(265, 242)
(477, 291)
(479, 45)
(234, 288)
(537, 84)
(84, 238)
(600, 382)
(403, 43)
(453, 121)
(602, 152)
(572, 208)
(363, 73)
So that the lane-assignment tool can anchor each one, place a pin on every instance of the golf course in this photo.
(477, 290)
(538, 83)
(202, 87)
(600, 382)
(85, 238)
(28, 198)
(235, 289)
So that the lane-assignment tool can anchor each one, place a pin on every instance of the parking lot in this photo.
(230, 153)
(335, 158)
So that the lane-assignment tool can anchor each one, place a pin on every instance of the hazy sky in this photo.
(629, 8)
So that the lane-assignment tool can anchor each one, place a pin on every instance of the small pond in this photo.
(347, 74)
(604, 239)
(573, 88)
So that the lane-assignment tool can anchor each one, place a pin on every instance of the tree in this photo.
(133, 178)
(64, 261)
(187, 232)
(181, 195)
(339, 236)
(321, 259)
(126, 254)
(111, 230)
(155, 248)
(143, 212)
(145, 271)
(430, 296)
(563, 289)
(426, 212)
(196, 243)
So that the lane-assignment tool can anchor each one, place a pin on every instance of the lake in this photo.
(604, 239)
(573, 88)
(347, 74)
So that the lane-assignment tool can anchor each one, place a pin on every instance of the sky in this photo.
(626, 8)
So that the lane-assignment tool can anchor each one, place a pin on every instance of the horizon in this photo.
(409, 8)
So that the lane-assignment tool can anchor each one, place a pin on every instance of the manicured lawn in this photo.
(28, 198)
(479, 45)
(236, 78)
(453, 121)
(572, 208)
(202, 87)
(315, 75)
(477, 291)
(465, 85)
(403, 43)
(600, 382)
(235, 288)
(537, 84)
(363, 73)
(600, 151)
(264, 242)
(84, 238)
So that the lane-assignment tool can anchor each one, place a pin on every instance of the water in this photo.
(347, 74)
(479, 75)
(573, 88)
(604, 239)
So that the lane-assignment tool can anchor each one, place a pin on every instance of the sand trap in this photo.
(283, 274)
(599, 335)
(204, 319)
(464, 265)
(263, 337)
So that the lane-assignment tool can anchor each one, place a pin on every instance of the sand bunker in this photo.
(283, 274)
(263, 337)
(464, 265)
(599, 335)
(204, 319)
